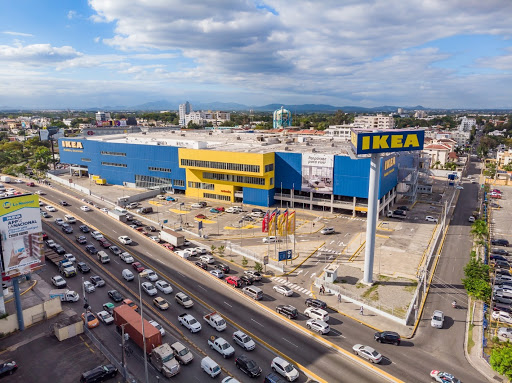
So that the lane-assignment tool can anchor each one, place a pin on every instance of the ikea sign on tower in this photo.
(369, 141)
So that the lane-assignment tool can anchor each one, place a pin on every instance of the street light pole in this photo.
(143, 273)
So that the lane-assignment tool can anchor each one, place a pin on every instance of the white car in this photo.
(243, 340)
(458, 187)
(85, 208)
(163, 286)
(105, 317)
(125, 256)
(282, 367)
(97, 235)
(50, 208)
(158, 327)
(317, 313)
(191, 252)
(40, 192)
(505, 332)
(318, 325)
(196, 206)
(282, 289)
(437, 319)
(443, 377)
(151, 275)
(155, 238)
(59, 221)
(70, 219)
(429, 218)
(327, 230)
(502, 316)
(104, 210)
(207, 258)
(270, 239)
(89, 287)
(149, 288)
(201, 250)
(70, 257)
(471, 218)
(253, 273)
(217, 273)
(58, 281)
(367, 352)
(189, 322)
(125, 240)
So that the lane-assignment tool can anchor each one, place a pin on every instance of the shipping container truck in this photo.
(172, 237)
(125, 315)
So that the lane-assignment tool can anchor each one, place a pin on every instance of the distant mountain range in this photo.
(232, 106)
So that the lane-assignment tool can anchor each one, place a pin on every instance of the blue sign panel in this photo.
(367, 141)
(284, 255)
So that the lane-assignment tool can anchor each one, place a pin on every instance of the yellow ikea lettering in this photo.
(396, 140)
(366, 142)
(411, 140)
(72, 144)
(380, 142)
(389, 163)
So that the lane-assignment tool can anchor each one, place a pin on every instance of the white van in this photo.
(128, 275)
(121, 210)
(103, 257)
(254, 292)
(210, 367)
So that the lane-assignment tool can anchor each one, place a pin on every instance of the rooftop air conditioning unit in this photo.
(238, 138)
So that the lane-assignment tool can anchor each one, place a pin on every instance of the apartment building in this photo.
(374, 122)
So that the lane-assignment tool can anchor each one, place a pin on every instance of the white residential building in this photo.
(339, 131)
(214, 118)
(504, 157)
(374, 122)
(184, 109)
(102, 116)
(466, 124)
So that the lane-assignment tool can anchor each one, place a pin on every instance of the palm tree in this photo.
(480, 231)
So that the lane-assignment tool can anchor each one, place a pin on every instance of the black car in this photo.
(502, 307)
(387, 337)
(115, 295)
(137, 222)
(247, 279)
(404, 208)
(256, 210)
(500, 272)
(84, 229)
(499, 251)
(311, 302)
(8, 368)
(115, 250)
(151, 228)
(495, 205)
(495, 257)
(67, 229)
(63, 203)
(59, 249)
(220, 266)
(82, 266)
(129, 217)
(202, 265)
(248, 366)
(91, 249)
(81, 239)
(99, 374)
(500, 263)
(499, 242)
(288, 311)
(97, 281)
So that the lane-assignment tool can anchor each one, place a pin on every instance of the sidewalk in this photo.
(474, 356)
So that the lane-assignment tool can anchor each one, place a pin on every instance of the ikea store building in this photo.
(235, 167)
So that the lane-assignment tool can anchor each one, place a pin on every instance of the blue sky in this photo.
(80, 54)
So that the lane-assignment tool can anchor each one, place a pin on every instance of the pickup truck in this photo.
(216, 321)
(189, 322)
(221, 346)
(64, 295)
(67, 268)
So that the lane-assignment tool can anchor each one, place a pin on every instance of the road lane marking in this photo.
(306, 273)
(337, 333)
(257, 322)
(226, 303)
(293, 344)
(201, 287)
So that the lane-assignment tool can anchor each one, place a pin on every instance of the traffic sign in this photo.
(284, 255)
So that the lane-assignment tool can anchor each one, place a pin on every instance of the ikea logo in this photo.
(72, 144)
(386, 141)
(389, 163)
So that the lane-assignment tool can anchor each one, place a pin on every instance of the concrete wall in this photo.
(31, 315)
(69, 331)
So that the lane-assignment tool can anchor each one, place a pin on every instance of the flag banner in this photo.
(282, 225)
(291, 222)
(264, 223)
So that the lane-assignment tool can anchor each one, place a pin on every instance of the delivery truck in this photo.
(65, 267)
(172, 237)
(6, 179)
(125, 315)
(64, 295)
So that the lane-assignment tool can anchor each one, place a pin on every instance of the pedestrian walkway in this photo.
(284, 281)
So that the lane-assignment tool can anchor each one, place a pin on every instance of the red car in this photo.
(234, 281)
(45, 236)
(138, 267)
(105, 244)
(220, 208)
(201, 216)
(31, 184)
(168, 246)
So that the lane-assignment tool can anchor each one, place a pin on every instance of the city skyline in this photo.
(368, 53)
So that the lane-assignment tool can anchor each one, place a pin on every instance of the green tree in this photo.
(476, 281)
(258, 267)
(221, 250)
(501, 359)
(244, 262)
(212, 248)
(479, 230)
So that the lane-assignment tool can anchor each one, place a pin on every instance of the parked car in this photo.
(220, 266)
(8, 368)
(311, 302)
(234, 281)
(499, 242)
(99, 374)
(288, 311)
(429, 218)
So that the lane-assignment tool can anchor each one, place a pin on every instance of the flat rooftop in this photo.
(234, 141)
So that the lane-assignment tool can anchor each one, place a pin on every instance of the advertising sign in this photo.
(367, 141)
(20, 235)
(52, 132)
(317, 172)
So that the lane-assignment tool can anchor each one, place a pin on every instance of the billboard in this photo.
(52, 132)
(317, 172)
(368, 141)
(20, 235)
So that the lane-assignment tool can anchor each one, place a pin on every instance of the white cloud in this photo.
(72, 15)
(17, 34)
(36, 54)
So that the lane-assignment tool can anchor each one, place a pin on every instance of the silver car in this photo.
(282, 289)
(318, 325)
(367, 352)
(505, 332)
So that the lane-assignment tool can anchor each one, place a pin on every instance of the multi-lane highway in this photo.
(410, 362)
